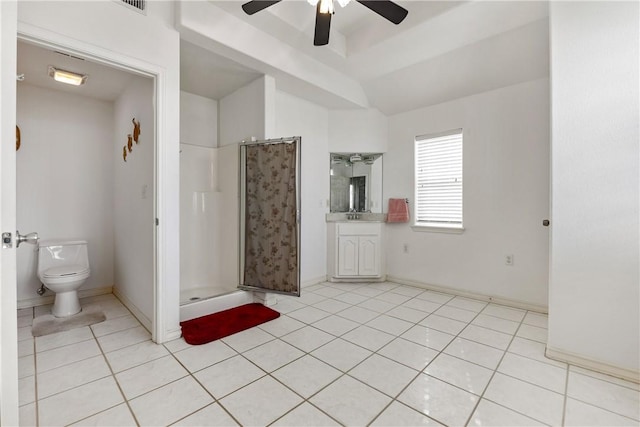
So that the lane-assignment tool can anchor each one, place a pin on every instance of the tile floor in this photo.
(343, 354)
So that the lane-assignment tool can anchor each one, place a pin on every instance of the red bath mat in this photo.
(224, 323)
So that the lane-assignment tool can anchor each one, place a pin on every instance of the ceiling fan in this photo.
(324, 9)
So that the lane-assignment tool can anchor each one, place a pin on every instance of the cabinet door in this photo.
(369, 256)
(347, 255)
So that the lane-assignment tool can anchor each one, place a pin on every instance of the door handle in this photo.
(28, 238)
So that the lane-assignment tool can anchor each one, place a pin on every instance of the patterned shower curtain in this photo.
(271, 244)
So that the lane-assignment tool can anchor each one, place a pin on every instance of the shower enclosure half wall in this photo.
(208, 223)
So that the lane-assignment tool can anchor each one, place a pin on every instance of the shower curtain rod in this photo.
(289, 140)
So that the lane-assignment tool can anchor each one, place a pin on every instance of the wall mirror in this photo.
(356, 182)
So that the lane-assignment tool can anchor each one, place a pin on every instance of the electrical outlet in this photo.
(508, 259)
(405, 248)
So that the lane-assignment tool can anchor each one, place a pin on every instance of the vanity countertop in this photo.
(362, 217)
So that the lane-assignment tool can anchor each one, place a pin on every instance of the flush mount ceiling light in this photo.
(324, 9)
(67, 77)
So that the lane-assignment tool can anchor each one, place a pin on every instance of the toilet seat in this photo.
(65, 271)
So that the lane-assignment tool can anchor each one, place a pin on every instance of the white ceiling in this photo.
(103, 82)
(443, 50)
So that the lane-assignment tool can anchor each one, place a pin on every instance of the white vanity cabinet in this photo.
(355, 251)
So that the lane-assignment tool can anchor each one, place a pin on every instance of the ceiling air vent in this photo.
(137, 5)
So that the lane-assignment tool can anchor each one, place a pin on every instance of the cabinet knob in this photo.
(545, 222)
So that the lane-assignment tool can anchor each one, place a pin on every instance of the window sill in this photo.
(438, 228)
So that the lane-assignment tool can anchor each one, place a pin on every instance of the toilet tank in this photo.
(58, 253)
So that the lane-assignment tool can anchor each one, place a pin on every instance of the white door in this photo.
(347, 255)
(369, 256)
(8, 292)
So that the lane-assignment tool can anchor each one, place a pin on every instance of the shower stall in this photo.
(208, 230)
(225, 245)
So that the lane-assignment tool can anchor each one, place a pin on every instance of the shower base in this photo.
(197, 304)
(196, 293)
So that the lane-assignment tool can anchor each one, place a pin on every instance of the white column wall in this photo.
(594, 284)
(298, 117)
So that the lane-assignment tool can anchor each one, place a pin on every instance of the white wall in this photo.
(594, 284)
(506, 195)
(108, 30)
(248, 112)
(64, 180)
(198, 120)
(364, 130)
(295, 116)
(133, 208)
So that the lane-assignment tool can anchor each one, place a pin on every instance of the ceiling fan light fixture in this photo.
(326, 6)
(388, 9)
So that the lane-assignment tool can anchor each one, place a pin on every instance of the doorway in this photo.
(85, 170)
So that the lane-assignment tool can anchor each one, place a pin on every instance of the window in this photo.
(438, 178)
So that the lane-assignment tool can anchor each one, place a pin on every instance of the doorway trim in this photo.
(161, 331)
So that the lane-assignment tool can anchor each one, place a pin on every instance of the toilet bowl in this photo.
(63, 267)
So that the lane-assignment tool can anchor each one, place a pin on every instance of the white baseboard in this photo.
(146, 322)
(497, 300)
(48, 299)
(594, 365)
(313, 281)
(357, 280)
(171, 335)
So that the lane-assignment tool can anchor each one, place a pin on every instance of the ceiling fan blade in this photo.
(387, 9)
(323, 25)
(257, 5)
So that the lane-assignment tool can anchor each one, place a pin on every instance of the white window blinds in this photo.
(438, 177)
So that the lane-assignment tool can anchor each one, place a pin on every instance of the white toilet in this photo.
(63, 266)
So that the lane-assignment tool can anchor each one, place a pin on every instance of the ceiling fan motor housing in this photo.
(324, 9)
